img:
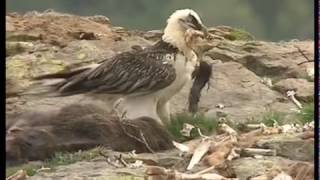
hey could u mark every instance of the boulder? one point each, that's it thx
(289, 146)
(304, 89)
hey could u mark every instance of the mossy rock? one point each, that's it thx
(239, 34)
(16, 36)
(13, 48)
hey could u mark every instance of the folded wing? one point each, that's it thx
(126, 73)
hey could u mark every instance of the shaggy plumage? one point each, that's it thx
(143, 79)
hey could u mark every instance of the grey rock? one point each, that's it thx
(246, 168)
(239, 90)
(289, 146)
(304, 89)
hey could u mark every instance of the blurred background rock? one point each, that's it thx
(271, 20)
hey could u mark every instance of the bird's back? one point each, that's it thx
(137, 71)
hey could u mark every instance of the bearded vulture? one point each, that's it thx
(144, 80)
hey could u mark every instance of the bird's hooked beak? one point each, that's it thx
(204, 29)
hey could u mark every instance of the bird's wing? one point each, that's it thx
(126, 73)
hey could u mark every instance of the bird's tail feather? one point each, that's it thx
(42, 89)
(48, 85)
(65, 74)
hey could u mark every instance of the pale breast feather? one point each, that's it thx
(141, 71)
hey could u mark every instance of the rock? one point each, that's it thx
(289, 146)
(231, 33)
(246, 168)
(241, 92)
(39, 43)
(153, 35)
(269, 59)
(304, 89)
(91, 170)
(13, 48)
(243, 95)
(18, 36)
(99, 19)
(53, 28)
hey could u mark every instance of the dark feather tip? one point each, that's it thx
(201, 76)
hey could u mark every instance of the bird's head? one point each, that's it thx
(199, 42)
(178, 23)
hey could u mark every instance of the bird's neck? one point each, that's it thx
(180, 44)
(175, 36)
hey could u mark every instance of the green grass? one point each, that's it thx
(307, 113)
(31, 169)
(206, 125)
(59, 158)
(64, 158)
(271, 118)
(268, 119)
(239, 34)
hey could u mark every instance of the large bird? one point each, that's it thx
(144, 80)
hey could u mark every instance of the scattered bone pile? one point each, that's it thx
(217, 152)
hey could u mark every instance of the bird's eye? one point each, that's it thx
(193, 22)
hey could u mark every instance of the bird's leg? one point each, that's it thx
(139, 106)
(121, 113)
(123, 116)
(163, 110)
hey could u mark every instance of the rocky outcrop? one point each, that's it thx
(244, 69)
(245, 166)
(249, 79)
(303, 88)
(290, 146)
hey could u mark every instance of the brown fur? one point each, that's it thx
(37, 135)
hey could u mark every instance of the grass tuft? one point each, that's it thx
(307, 113)
(31, 169)
(239, 34)
(64, 158)
(206, 125)
(271, 118)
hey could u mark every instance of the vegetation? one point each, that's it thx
(272, 118)
(307, 113)
(31, 169)
(206, 125)
(239, 34)
(60, 158)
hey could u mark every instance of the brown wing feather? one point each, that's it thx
(129, 72)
